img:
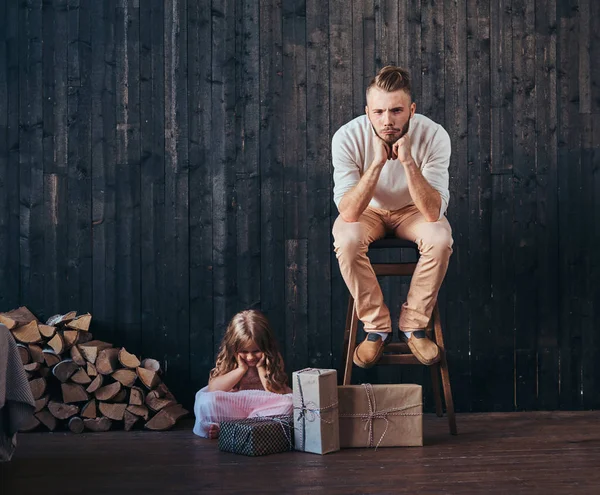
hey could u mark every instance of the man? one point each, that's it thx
(391, 176)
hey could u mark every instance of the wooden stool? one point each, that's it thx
(400, 353)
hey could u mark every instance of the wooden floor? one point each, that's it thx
(549, 453)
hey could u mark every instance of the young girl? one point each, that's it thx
(248, 379)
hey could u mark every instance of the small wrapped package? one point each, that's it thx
(257, 436)
(316, 426)
(381, 415)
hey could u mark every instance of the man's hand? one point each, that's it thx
(401, 150)
(382, 151)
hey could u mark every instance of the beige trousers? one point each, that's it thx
(351, 243)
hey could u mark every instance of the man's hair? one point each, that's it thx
(391, 78)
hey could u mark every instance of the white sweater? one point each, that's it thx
(352, 152)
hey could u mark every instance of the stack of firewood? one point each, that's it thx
(82, 383)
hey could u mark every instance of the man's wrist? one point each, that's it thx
(409, 163)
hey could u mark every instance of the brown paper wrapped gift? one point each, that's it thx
(381, 415)
(316, 427)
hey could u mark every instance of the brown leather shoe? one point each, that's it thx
(368, 352)
(424, 349)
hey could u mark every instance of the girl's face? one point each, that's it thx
(251, 354)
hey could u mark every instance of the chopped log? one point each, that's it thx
(36, 353)
(38, 387)
(121, 396)
(24, 353)
(17, 317)
(41, 403)
(57, 343)
(151, 364)
(32, 367)
(47, 331)
(28, 334)
(98, 424)
(65, 370)
(81, 323)
(108, 392)
(107, 361)
(164, 392)
(91, 349)
(126, 377)
(77, 357)
(148, 377)
(76, 424)
(91, 370)
(73, 392)
(66, 318)
(85, 337)
(137, 396)
(62, 411)
(130, 420)
(47, 419)
(154, 402)
(89, 410)
(166, 418)
(44, 371)
(96, 384)
(128, 360)
(31, 424)
(141, 411)
(81, 377)
(51, 358)
(112, 411)
(70, 337)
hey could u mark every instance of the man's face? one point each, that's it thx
(389, 113)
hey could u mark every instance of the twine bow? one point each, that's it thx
(373, 414)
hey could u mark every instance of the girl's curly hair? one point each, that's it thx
(245, 327)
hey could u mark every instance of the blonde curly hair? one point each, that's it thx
(245, 327)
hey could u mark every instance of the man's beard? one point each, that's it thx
(391, 139)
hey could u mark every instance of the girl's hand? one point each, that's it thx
(263, 362)
(241, 363)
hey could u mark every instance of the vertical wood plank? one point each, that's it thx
(223, 161)
(31, 180)
(176, 228)
(432, 62)
(501, 75)
(10, 279)
(154, 259)
(569, 204)
(547, 208)
(271, 168)
(340, 71)
(478, 156)
(79, 255)
(319, 185)
(104, 159)
(457, 325)
(524, 174)
(247, 182)
(386, 33)
(294, 180)
(359, 71)
(201, 232)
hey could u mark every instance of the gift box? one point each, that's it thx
(257, 436)
(381, 415)
(316, 426)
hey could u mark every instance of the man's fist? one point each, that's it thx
(401, 150)
(382, 150)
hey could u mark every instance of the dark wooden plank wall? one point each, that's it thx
(166, 164)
